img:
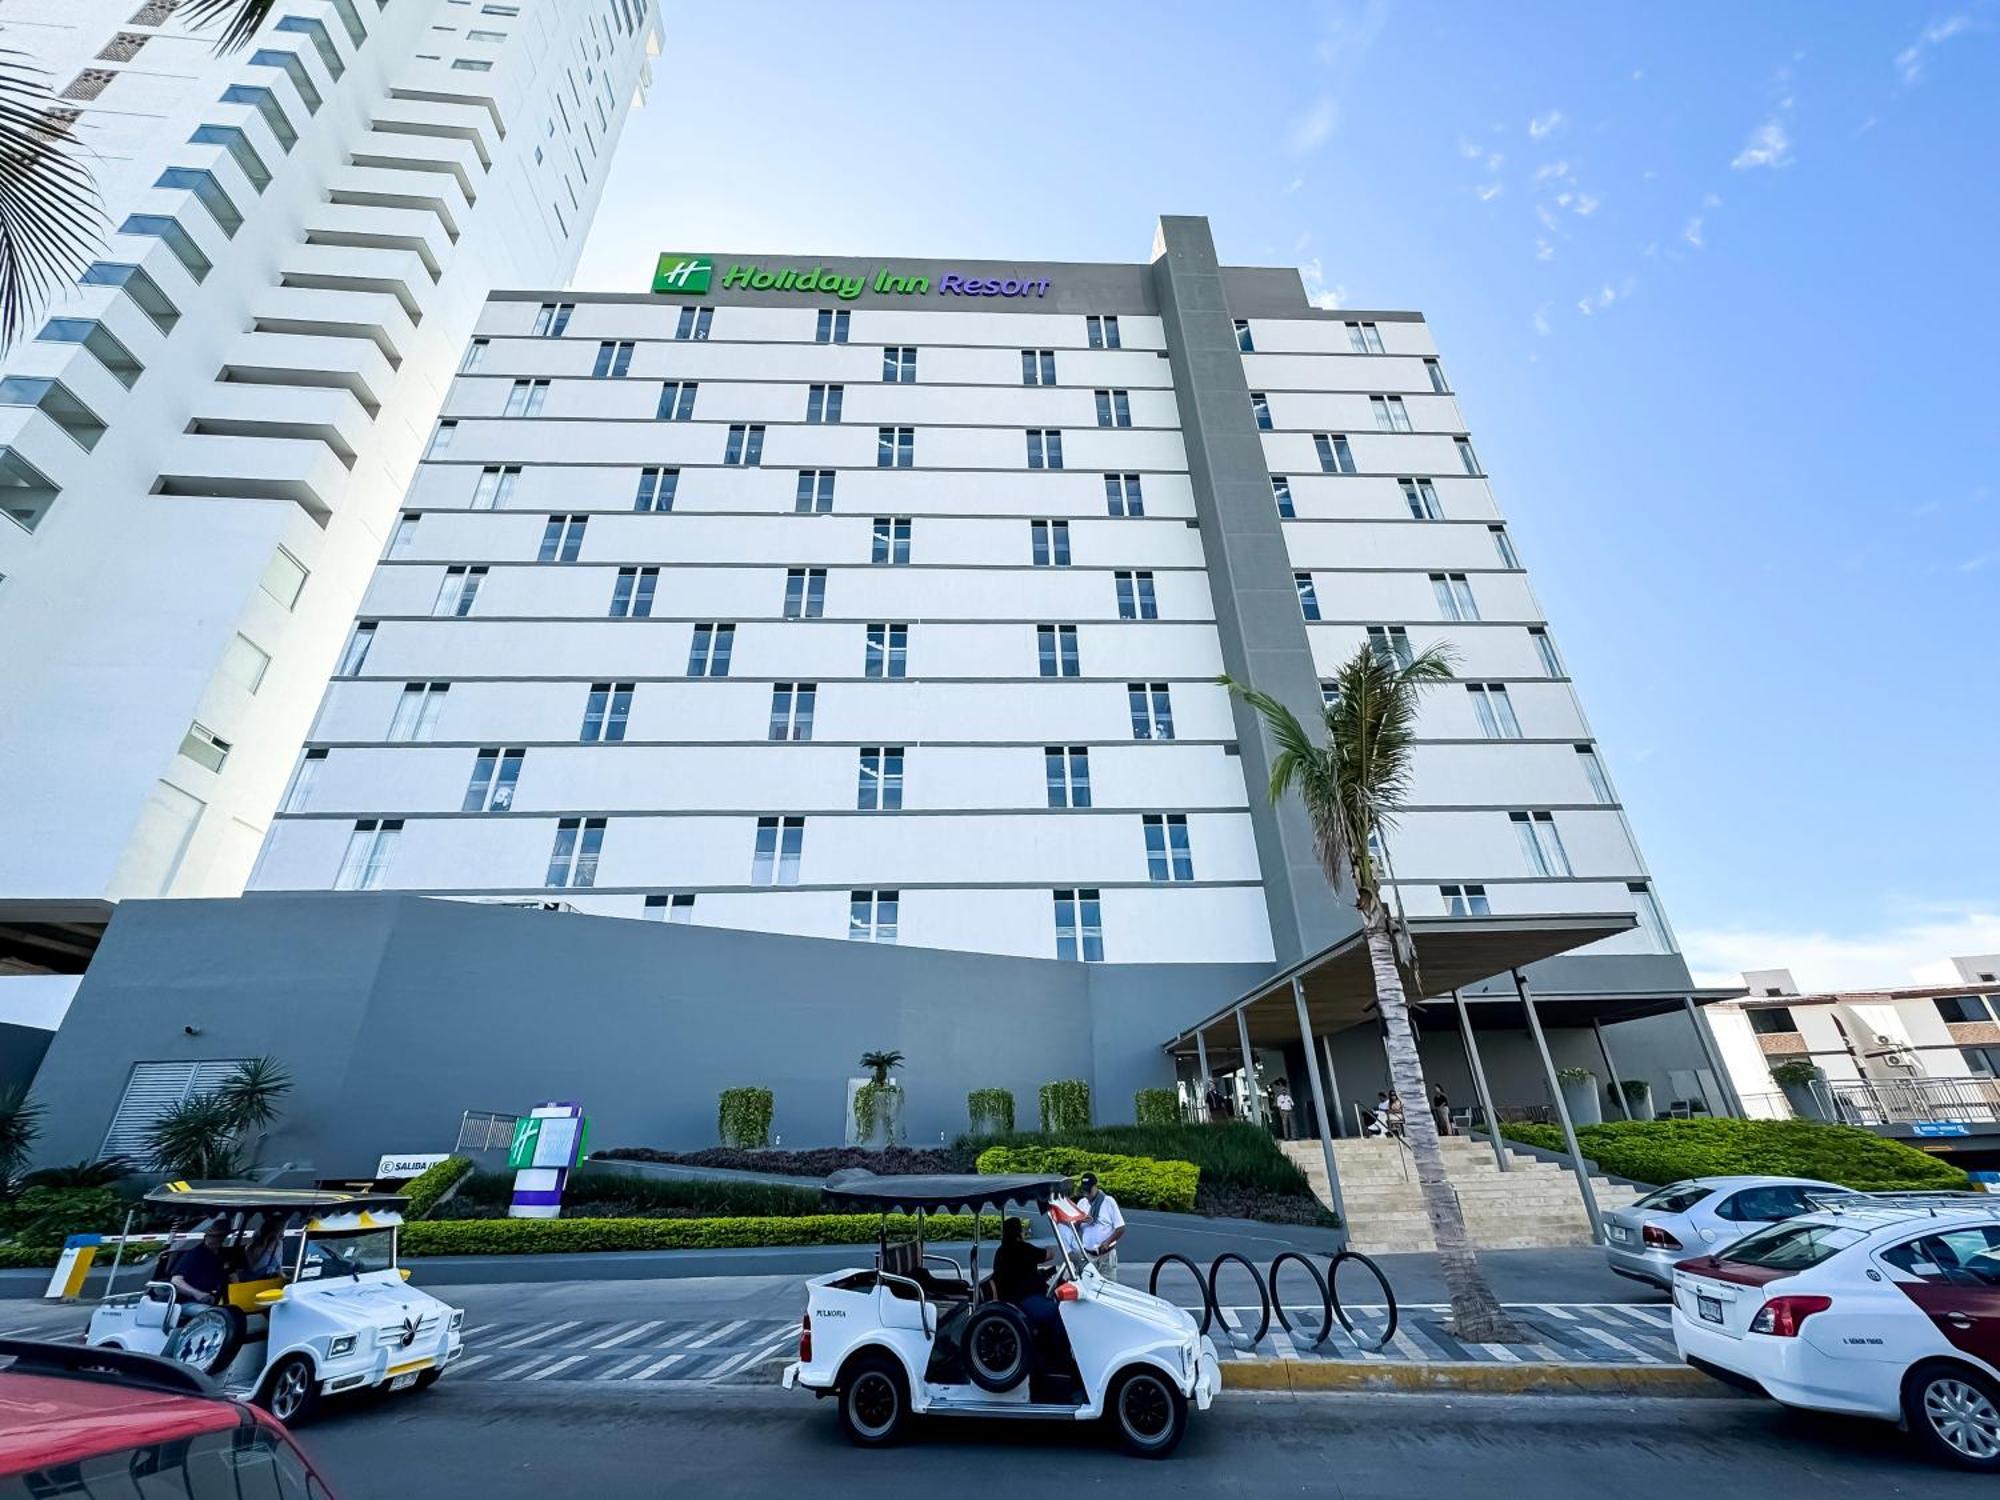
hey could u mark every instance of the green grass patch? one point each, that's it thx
(1135, 1181)
(1664, 1151)
(613, 1195)
(573, 1236)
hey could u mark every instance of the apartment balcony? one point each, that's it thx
(347, 268)
(300, 359)
(326, 415)
(389, 187)
(304, 471)
(404, 152)
(430, 114)
(352, 224)
(323, 312)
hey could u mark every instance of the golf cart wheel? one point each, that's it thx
(997, 1346)
(208, 1340)
(874, 1401)
(291, 1391)
(1149, 1412)
(1955, 1413)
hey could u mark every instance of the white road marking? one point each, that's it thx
(629, 1334)
(1619, 1344)
(1652, 1317)
(723, 1331)
(534, 1334)
(658, 1365)
(468, 1362)
(615, 1371)
(1501, 1353)
(1556, 1312)
(562, 1364)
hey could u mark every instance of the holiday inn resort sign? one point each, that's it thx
(693, 275)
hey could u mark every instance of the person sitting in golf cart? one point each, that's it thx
(1021, 1276)
(200, 1272)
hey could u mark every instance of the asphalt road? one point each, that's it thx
(494, 1442)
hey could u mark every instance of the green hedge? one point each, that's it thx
(1157, 1107)
(1664, 1151)
(40, 1216)
(28, 1257)
(1135, 1181)
(991, 1111)
(1066, 1105)
(570, 1236)
(743, 1117)
(427, 1187)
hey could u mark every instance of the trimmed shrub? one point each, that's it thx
(570, 1236)
(1135, 1181)
(1663, 1151)
(48, 1216)
(428, 1187)
(1066, 1105)
(991, 1111)
(744, 1118)
(614, 1195)
(1794, 1073)
(1157, 1107)
(821, 1162)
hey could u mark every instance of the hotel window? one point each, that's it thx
(1465, 901)
(1044, 448)
(1055, 651)
(1436, 372)
(573, 857)
(1466, 456)
(457, 591)
(244, 662)
(871, 916)
(562, 538)
(1504, 545)
(417, 711)
(526, 397)
(832, 327)
(888, 651)
(1049, 543)
(671, 908)
(472, 65)
(267, 105)
(1243, 340)
(1114, 409)
(1545, 648)
(136, 284)
(356, 655)
(792, 710)
(1364, 338)
(708, 651)
(1122, 495)
(304, 779)
(1421, 496)
(366, 862)
(890, 540)
(694, 323)
(823, 403)
(495, 486)
(1957, 1009)
(1038, 367)
(1066, 771)
(744, 447)
(1260, 408)
(1593, 772)
(605, 713)
(475, 355)
(1329, 695)
(1281, 491)
(805, 593)
(632, 594)
(895, 447)
(209, 193)
(404, 534)
(676, 400)
(1167, 855)
(1541, 845)
(1389, 414)
(1774, 1020)
(166, 228)
(1454, 596)
(202, 746)
(1308, 595)
(552, 319)
(656, 489)
(1136, 599)
(1494, 710)
(1391, 642)
(880, 788)
(1652, 922)
(1152, 710)
(1101, 332)
(614, 360)
(780, 843)
(815, 492)
(899, 365)
(441, 438)
(494, 773)
(1335, 457)
(1079, 926)
(295, 70)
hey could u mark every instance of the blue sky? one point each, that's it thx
(1716, 284)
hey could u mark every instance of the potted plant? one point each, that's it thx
(991, 1111)
(1065, 1105)
(744, 1118)
(1638, 1097)
(1796, 1076)
(1580, 1095)
(875, 1103)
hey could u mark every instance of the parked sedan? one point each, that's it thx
(1700, 1217)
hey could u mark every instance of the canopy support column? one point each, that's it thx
(1610, 1067)
(1486, 1109)
(1332, 1084)
(1253, 1096)
(1562, 1110)
(1319, 1102)
(1722, 1080)
(1201, 1058)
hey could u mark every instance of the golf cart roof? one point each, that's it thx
(856, 1189)
(233, 1197)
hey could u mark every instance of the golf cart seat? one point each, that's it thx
(906, 1259)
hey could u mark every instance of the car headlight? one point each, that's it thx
(457, 1317)
(342, 1345)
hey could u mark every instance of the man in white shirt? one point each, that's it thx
(1102, 1226)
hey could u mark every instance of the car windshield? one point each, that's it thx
(1792, 1246)
(349, 1254)
(1677, 1199)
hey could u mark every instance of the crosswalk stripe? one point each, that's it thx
(1556, 1312)
(535, 1334)
(629, 1334)
(617, 1370)
(751, 1356)
(469, 1361)
(725, 1329)
(1500, 1352)
(1619, 1344)
(658, 1365)
(562, 1364)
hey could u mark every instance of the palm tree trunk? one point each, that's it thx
(1475, 1311)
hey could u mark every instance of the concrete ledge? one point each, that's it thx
(1575, 1379)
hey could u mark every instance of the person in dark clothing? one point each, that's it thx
(199, 1274)
(1021, 1276)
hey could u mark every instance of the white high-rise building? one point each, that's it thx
(203, 445)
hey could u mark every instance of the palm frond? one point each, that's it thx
(50, 222)
(252, 1092)
(195, 1138)
(241, 19)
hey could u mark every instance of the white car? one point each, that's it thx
(1875, 1308)
(1700, 1216)
(919, 1333)
(337, 1315)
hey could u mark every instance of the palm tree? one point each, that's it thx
(1352, 786)
(879, 1063)
(20, 1125)
(50, 219)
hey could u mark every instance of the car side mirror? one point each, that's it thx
(404, 1272)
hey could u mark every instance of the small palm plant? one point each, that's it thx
(20, 1126)
(1352, 786)
(207, 1136)
(880, 1064)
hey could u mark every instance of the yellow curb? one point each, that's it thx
(1493, 1379)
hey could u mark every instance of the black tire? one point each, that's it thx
(1333, 1266)
(291, 1391)
(1954, 1410)
(874, 1400)
(430, 1377)
(1148, 1412)
(208, 1340)
(1263, 1298)
(1207, 1302)
(1319, 1284)
(997, 1346)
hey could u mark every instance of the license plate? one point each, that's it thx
(404, 1382)
(1708, 1309)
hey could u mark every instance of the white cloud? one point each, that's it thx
(1494, 161)
(1910, 61)
(1487, 192)
(1596, 304)
(1912, 951)
(1295, 184)
(1549, 169)
(1542, 320)
(1585, 204)
(1692, 234)
(1313, 128)
(1548, 219)
(1470, 150)
(1768, 146)
(1709, 200)
(1543, 249)
(1547, 124)
(1317, 291)
(1974, 564)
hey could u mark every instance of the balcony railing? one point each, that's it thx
(1897, 1101)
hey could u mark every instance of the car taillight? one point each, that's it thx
(1066, 1292)
(806, 1340)
(1658, 1238)
(1781, 1316)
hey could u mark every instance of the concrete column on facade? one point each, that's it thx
(1611, 1068)
(1253, 1096)
(1500, 1156)
(1319, 1102)
(1332, 1085)
(1722, 1079)
(1201, 1061)
(1562, 1110)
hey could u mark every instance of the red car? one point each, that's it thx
(87, 1422)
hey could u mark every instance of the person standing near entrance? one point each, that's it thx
(1102, 1228)
(1281, 1096)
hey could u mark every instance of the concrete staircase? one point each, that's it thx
(1535, 1203)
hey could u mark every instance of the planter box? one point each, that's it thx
(1581, 1098)
(888, 1121)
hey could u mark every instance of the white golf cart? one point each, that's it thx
(330, 1312)
(920, 1333)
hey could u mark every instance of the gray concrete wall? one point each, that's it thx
(21, 1049)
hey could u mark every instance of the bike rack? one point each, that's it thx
(1270, 1303)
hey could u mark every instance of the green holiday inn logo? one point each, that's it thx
(683, 273)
